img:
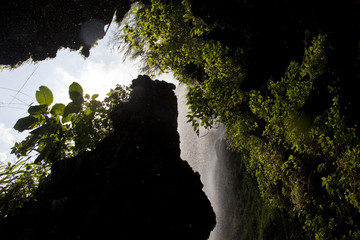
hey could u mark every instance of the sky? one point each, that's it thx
(97, 74)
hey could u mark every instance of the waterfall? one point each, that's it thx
(207, 155)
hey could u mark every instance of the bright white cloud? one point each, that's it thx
(98, 77)
(100, 72)
(3, 157)
(5, 135)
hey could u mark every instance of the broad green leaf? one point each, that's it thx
(58, 109)
(26, 123)
(71, 108)
(37, 109)
(75, 87)
(76, 93)
(44, 96)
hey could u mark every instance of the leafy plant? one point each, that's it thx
(57, 131)
(290, 130)
(18, 182)
(61, 131)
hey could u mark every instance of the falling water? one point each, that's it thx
(207, 155)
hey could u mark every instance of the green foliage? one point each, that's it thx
(294, 152)
(44, 96)
(170, 37)
(61, 131)
(57, 131)
(304, 161)
(18, 182)
(299, 161)
(286, 123)
(304, 158)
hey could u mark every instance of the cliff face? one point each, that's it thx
(133, 186)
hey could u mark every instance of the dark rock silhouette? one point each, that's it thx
(36, 29)
(133, 186)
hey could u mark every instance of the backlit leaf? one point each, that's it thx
(58, 109)
(44, 96)
(76, 93)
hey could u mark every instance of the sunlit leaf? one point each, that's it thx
(44, 96)
(58, 109)
(75, 87)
